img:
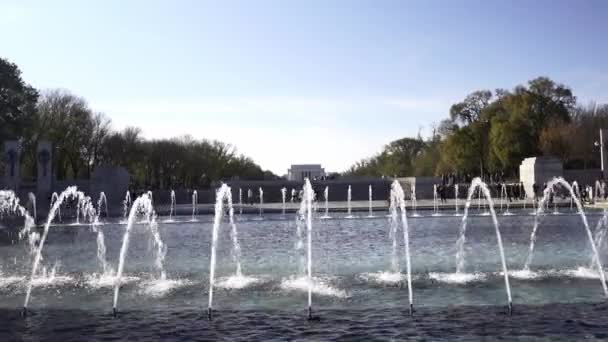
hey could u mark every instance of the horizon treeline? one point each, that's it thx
(491, 132)
(83, 139)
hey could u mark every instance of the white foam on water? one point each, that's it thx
(525, 274)
(383, 278)
(582, 272)
(457, 278)
(319, 287)
(10, 280)
(160, 287)
(236, 282)
(52, 280)
(97, 281)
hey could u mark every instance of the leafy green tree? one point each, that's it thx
(17, 102)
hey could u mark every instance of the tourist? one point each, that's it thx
(535, 192)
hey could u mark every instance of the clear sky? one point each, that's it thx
(308, 81)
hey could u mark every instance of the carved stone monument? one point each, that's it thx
(44, 157)
(12, 158)
(539, 170)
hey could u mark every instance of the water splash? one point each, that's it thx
(307, 199)
(477, 183)
(142, 206)
(398, 203)
(371, 198)
(240, 201)
(236, 247)
(554, 195)
(577, 191)
(9, 205)
(102, 203)
(261, 192)
(194, 205)
(504, 198)
(599, 191)
(172, 205)
(348, 199)
(106, 269)
(414, 201)
(125, 205)
(54, 198)
(224, 194)
(326, 197)
(70, 192)
(456, 190)
(435, 204)
(283, 198)
(599, 235)
(32, 204)
(547, 194)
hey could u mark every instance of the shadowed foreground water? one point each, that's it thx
(547, 322)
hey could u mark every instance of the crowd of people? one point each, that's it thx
(516, 191)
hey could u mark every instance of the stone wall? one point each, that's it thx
(539, 170)
(338, 189)
(424, 186)
(583, 176)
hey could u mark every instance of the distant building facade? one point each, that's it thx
(298, 172)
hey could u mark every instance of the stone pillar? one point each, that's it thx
(12, 158)
(539, 170)
(44, 157)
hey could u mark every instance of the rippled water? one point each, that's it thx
(353, 292)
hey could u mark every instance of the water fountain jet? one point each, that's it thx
(348, 199)
(547, 194)
(172, 205)
(435, 204)
(54, 197)
(371, 198)
(32, 201)
(283, 198)
(456, 190)
(70, 192)
(142, 206)
(261, 192)
(326, 197)
(478, 184)
(102, 201)
(397, 208)
(125, 204)
(223, 194)
(194, 205)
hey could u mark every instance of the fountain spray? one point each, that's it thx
(398, 204)
(537, 219)
(477, 183)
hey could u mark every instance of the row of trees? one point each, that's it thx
(84, 139)
(492, 132)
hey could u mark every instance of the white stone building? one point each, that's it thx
(298, 172)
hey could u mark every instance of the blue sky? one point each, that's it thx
(287, 82)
